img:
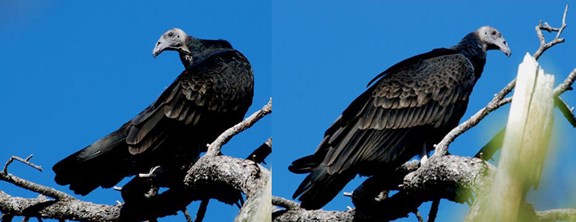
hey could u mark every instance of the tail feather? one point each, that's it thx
(320, 187)
(305, 164)
(104, 163)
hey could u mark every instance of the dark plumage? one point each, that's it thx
(408, 109)
(211, 95)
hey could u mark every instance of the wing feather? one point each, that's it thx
(398, 107)
(221, 83)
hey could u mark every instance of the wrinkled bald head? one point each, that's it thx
(491, 38)
(173, 39)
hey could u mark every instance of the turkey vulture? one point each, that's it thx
(409, 108)
(212, 94)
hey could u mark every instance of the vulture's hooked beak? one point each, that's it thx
(506, 50)
(163, 45)
(160, 47)
(503, 46)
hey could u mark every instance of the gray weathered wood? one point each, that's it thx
(525, 144)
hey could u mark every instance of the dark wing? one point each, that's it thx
(202, 102)
(219, 86)
(431, 93)
(412, 102)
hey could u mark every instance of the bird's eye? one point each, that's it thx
(494, 32)
(170, 34)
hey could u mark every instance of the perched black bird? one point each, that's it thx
(211, 95)
(408, 109)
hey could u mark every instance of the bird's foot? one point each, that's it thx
(152, 173)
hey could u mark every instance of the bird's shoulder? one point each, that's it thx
(408, 92)
(221, 81)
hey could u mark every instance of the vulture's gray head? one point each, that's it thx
(173, 39)
(491, 38)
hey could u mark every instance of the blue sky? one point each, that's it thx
(325, 52)
(74, 71)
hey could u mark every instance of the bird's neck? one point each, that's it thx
(471, 47)
(187, 60)
(202, 48)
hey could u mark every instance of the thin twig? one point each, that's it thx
(568, 112)
(25, 161)
(543, 44)
(442, 147)
(566, 84)
(44, 190)
(215, 147)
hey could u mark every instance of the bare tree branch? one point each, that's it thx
(285, 203)
(449, 177)
(44, 190)
(441, 177)
(209, 172)
(241, 174)
(547, 45)
(557, 215)
(215, 147)
(69, 209)
(566, 84)
(25, 161)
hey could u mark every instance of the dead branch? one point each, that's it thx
(242, 175)
(557, 215)
(25, 161)
(300, 214)
(69, 209)
(285, 203)
(441, 177)
(547, 45)
(449, 177)
(28, 185)
(215, 147)
(204, 180)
